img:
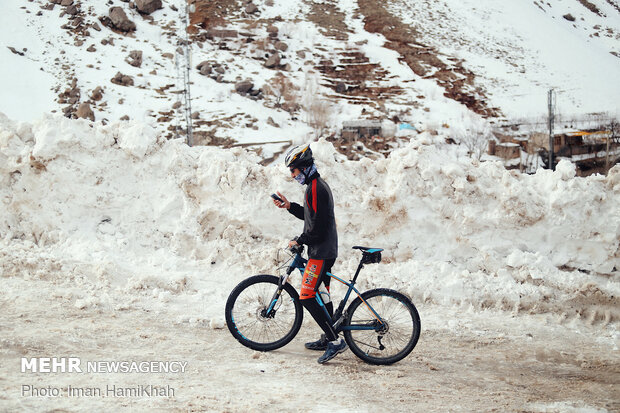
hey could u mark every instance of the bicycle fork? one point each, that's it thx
(270, 310)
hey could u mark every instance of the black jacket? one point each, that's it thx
(319, 233)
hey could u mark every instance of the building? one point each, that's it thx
(357, 129)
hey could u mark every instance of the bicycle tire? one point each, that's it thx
(398, 338)
(253, 329)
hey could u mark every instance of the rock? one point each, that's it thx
(569, 17)
(72, 10)
(196, 115)
(85, 112)
(123, 80)
(177, 105)
(120, 20)
(96, 27)
(271, 122)
(244, 86)
(66, 3)
(125, 117)
(220, 69)
(148, 6)
(273, 61)
(281, 46)
(269, 3)
(251, 8)
(272, 29)
(17, 52)
(91, 48)
(341, 87)
(222, 33)
(135, 58)
(205, 70)
(97, 94)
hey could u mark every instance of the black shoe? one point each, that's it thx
(333, 350)
(320, 344)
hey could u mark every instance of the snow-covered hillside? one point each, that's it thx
(482, 56)
(518, 50)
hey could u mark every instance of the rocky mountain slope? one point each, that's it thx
(281, 71)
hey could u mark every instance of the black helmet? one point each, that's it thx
(299, 157)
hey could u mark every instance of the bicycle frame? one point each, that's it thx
(299, 263)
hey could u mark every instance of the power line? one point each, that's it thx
(537, 94)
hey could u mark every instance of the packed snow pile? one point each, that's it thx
(116, 216)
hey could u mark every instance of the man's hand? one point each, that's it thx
(284, 204)
(292, 243)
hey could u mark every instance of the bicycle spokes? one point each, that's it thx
(262, 314)
(386, 339)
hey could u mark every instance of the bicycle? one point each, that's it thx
(380, 326)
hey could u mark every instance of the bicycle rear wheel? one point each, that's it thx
(248, 321)
(387, 342)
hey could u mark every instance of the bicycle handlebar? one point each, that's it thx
(297, 249)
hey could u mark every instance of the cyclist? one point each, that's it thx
(320, 235)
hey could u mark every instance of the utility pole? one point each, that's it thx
(551, 102)
(612, 134)
(186, 81)
(177, 66)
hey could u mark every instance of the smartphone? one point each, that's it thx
(277, 198)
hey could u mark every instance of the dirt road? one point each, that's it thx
(464, 361)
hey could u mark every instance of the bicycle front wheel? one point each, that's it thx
(250, 323)
(384, 341)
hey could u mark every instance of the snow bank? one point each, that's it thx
(134, 219)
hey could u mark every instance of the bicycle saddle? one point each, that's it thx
(367, 249)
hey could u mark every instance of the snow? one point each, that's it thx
(523, 49)
(114, 217)
(26, 86)
(119, 197)
(116, 242)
